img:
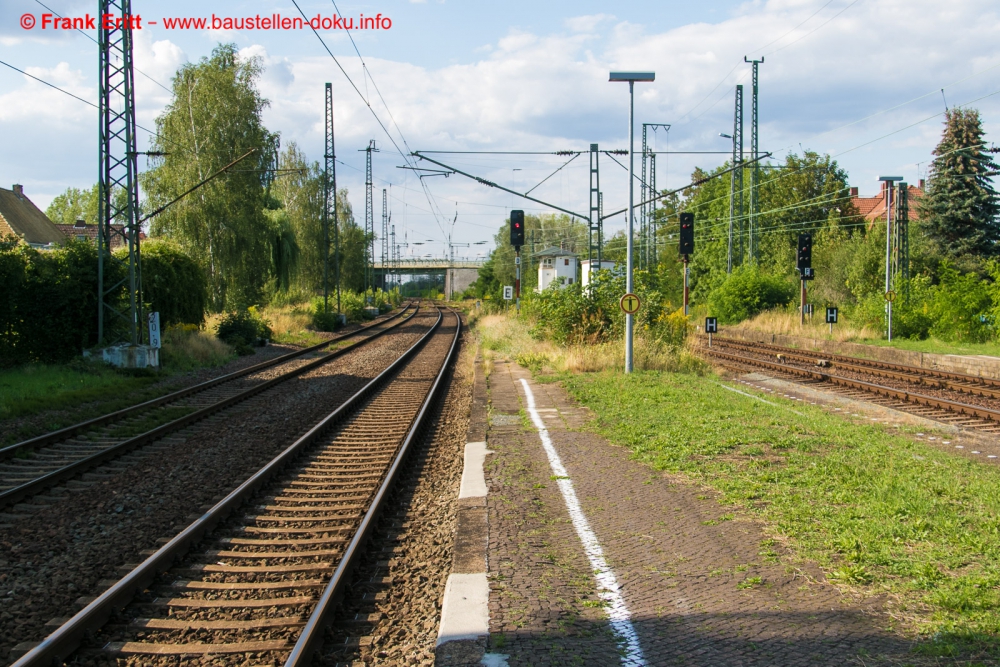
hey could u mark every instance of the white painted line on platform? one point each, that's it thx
(465, 609)
(473, 475)
(607, 583)
(758, 398)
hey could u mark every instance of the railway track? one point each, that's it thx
(743, 356)
(33, 466)
(256, 578)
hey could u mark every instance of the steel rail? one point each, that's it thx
(311, 637)
(868, 387)
(870, 363)
(39, 484)
(66, 638)
(69, 431)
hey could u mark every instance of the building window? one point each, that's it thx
(570, 281)
(566, 262)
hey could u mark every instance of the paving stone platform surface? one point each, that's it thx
(686, 569)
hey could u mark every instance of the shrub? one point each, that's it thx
(323, 320)
(173, 284)
(243, 329)
(185, 347)
(48, 301)
(745, 292)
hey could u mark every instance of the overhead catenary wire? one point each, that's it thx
(55, 13)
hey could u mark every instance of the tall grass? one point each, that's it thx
(786, 323)
(509, 336)
(186, 347)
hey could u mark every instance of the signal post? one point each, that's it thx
(517, 240)
(804, 257)
(686, 248)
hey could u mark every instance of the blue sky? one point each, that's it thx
(859, 79)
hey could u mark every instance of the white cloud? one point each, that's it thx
(533, 91)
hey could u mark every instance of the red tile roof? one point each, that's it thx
(873, 208)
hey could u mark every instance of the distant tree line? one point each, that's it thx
(954, 239)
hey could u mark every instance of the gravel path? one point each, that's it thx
(66, 548)
(392, 611)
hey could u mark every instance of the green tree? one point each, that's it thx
(959, 210)
(72, 205)
(173, 284)
(215, 117)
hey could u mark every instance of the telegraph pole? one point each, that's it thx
(117, 172)
(754, 226)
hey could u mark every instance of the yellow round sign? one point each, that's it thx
(890, 296)
(629, 303)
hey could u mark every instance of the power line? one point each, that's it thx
(95, 42)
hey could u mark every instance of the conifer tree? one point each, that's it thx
(959, 210)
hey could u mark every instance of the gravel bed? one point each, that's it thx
(403, 576)
(63, 550)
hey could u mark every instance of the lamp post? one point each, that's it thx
(631, 77)
(889, 186)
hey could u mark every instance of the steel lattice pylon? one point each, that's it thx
(369, 221)
(118, 319)
(647, 191)
(330, 205)
(736, 184)
(385, 239)
(753, 228)
(596, 224)
(901, 249)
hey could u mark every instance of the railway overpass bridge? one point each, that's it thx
(458, 273)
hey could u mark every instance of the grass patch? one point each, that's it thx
(509, 336)
(879, 512)
(36, 387)
(934, 346)
(786, 323)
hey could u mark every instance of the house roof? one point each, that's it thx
(873, 208)
(554, 252)
(87, 232)
(27, 220)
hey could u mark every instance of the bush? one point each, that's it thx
(243, 329)
(323, 320)
(173, 284)
(48, 301)
(745, 292)
(185, 347)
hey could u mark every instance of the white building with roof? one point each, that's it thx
(556, 266)
(589, 266)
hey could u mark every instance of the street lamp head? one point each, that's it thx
(632, 76)
(725, 136)
(890, 178)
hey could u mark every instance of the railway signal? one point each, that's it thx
(517, 240)
(804, 262)
(711, 327)
(686, 249)
(831, 317)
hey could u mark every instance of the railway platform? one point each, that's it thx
(594, 558)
